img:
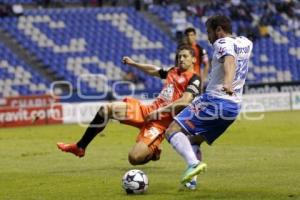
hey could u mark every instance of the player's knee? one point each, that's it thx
(108, 109)
(139, 156)
(136, 159)
(118, 110)
(133, 159)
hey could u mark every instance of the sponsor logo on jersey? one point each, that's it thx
(181, 80)
(167, 92)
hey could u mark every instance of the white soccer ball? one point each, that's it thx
(135, 182)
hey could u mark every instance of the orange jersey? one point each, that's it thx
(201, 57)
(152, 132)
(175, 85)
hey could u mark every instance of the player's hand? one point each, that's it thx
(127, 60)
(228, 89)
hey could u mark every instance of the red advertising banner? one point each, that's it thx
(12, 117)
(30, 101)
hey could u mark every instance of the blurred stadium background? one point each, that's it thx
(60, 58)
(73, 49)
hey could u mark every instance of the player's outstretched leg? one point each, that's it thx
(96, 126)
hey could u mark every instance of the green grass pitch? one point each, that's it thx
(252, 160)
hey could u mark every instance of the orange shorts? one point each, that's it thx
(151, 133)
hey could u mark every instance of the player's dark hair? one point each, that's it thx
(189, 30)
(186, 47)
(219, 20)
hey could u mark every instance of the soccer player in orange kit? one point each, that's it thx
(180, 88)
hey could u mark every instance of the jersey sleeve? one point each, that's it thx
(194, 85)
(224, 47)
(163, 73)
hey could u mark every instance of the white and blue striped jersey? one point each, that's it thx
(240, 48)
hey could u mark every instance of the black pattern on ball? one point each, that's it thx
(135, 182)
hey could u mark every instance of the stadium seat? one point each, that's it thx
(73, 41)
(19, 79)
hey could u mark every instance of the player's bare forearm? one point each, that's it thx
(173, 108)
(179, 104)
(147, 68)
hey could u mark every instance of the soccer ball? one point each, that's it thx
(135, 182)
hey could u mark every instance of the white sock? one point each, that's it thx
(182, 145)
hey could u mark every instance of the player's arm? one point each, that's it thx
(193, 89)
(229, 73)
(225, 53)
(147, 68)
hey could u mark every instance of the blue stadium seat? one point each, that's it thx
(78, 33)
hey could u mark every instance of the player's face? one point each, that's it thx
(185, 59)
(211, 35)
(191, 37)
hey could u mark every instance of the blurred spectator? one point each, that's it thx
(137, 5)
(251, 32)
(136, 80)
(263, 30)
(293, 24)
(98, 3)
(200, 54)
(11, 10)
(215, 5)
(5, 10)
(44, 3)
(179, 23)
(114, 3)
(147, 4)
(162, 2)
(85, 2)
(195, 10)
(291, 9)
(200, 10)
(268, 18)
(286, 7)
(17, 9)
(240, 11)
